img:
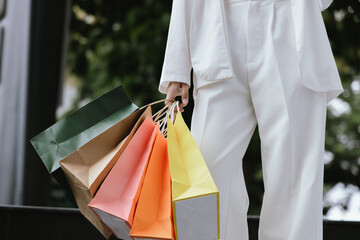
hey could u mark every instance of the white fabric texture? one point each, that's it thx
(198, 39)
(267, 91)
(324, 4)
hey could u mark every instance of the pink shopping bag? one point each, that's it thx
(116, 199)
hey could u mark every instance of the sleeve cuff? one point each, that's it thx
(172, 77)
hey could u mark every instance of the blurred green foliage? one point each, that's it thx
(116, 42)
(343, 129)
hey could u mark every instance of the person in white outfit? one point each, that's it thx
(266, 63)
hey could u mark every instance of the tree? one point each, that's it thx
(343, 132)
(115, 42)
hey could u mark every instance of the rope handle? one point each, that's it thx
(156, 102)
(172, 110)
(171, 114)
(160, 116)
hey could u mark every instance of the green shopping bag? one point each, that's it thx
(76, 129)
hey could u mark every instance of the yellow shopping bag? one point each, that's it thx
(195, 197)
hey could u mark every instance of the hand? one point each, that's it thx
(178, 89)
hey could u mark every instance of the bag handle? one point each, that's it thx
(171, 112)
(159, 101)
(160, 116)
(156, 117)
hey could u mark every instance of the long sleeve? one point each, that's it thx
(177, 62)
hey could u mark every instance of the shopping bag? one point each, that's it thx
(87, 167)
(116, 199)
(195, 197)
(76, 129)
(153, 215)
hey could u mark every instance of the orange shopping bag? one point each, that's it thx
(116, 199)
(153, 215)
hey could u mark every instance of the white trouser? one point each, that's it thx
(266, 90)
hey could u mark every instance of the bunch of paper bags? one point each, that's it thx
(127, 178)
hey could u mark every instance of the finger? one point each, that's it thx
(184, 94)
(180, 109)
(171, 91)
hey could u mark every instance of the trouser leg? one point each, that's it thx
(291, 121)
(308, 116)
(292, 144)
(222, 125)
(292, 127)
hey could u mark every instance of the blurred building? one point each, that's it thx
(32, 49)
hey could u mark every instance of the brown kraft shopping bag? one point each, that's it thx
(87, 167)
